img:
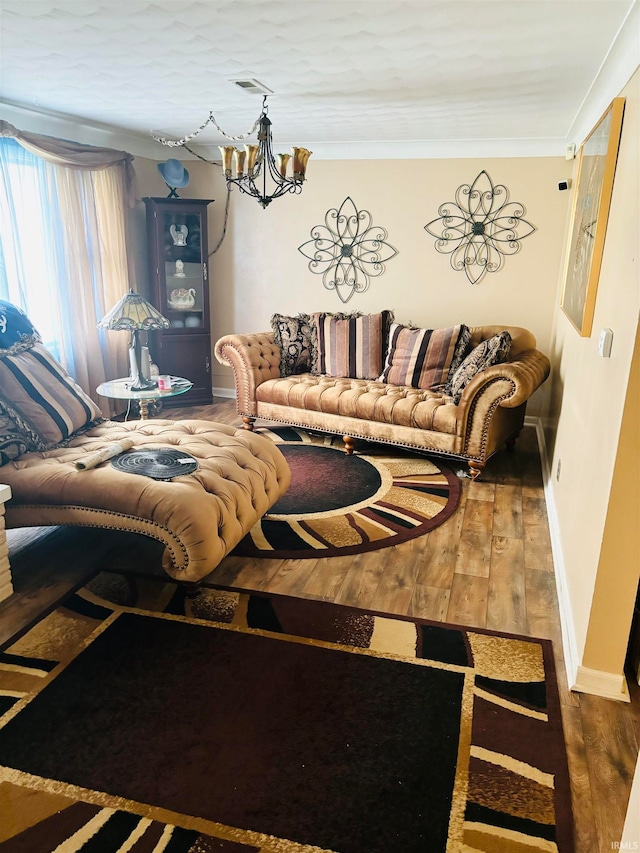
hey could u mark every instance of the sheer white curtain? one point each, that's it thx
(63, 256)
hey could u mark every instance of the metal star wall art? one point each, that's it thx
(347, 250)
(479, 228)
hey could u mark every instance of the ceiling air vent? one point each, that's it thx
(253, 87)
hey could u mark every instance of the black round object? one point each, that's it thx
(161, 463)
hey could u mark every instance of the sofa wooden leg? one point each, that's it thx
(511, 442)
(475, 469)
(348, 444)
(192, 589)
(247, 423)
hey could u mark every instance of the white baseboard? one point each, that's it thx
(569, 644)
(579, 678)
(228, 393)
(599, 683)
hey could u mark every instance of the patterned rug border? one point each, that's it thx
(553, 704)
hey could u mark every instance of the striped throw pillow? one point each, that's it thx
(42, 398)
(351, 346)
(422, 358)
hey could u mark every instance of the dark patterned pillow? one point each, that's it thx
(41, 397)
(492, 351)
(462, 350)
(352, 346)
(295, 337)
(422, 358)
(14, 441)
(17, 332)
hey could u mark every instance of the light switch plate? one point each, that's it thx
(604, 342)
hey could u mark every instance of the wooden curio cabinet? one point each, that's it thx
(179, 271)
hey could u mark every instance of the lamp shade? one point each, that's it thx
(133, 312)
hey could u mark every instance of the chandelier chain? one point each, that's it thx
(226, 206)
(210, 120)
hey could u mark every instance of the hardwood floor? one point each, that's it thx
(489, 566)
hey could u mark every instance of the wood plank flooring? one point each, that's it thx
(489, 566)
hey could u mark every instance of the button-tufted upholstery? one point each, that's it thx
(490, 412)
(362, 398)
(199, 517)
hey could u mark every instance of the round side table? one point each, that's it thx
(120, 389)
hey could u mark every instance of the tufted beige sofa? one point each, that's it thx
(490, 413)
(198, 517)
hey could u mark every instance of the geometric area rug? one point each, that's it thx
(135, 719)
(339, 504)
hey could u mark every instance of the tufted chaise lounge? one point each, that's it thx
(489, 414)
(198, 517)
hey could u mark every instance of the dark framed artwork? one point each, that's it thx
(591, 201)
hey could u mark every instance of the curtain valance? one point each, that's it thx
(75, 155)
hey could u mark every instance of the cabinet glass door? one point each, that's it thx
(184, 270)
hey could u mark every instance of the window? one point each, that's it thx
(63, 256)
(29, 262)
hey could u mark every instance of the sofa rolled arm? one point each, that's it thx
(254, 359)
(525, 374)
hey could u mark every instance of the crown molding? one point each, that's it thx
(424, 149)
(617, 68)
(66, 126)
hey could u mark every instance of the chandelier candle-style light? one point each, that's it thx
(248, 169)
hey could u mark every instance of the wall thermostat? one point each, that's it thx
(604, 342)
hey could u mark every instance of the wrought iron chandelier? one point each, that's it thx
(256, 169)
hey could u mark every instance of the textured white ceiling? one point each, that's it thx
(391, 71)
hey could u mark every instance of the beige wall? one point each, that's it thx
(583, 407)
(619, 564)
(259, 270)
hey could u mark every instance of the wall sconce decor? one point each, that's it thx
(479, 228)
(347, 250)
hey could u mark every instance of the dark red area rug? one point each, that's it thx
(338, 504)
(134, 719)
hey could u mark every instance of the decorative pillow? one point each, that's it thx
(492, 351)
(41, 397)
(13, 440)
(317, 319)
(296, 338)
(462, 350)
(352, 346)
(17, 332)
(422, 358)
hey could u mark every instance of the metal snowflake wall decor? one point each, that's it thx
(347, 250)
(479, 228)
